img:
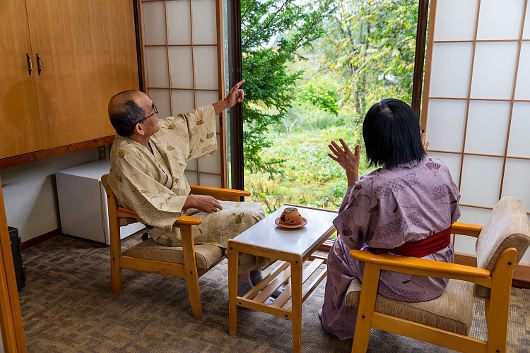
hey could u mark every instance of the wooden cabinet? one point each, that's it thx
(60, 63)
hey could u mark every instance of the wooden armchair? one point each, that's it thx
(446, 321)
(189, 261)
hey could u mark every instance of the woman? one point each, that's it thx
(410, 200)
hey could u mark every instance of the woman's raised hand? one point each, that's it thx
(347, 159)
(424, 143)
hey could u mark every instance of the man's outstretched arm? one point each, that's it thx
(235, 95)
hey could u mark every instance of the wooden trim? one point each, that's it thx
(168, 57)
(54, 152)
(141, 45)
(419, 58)
(236, 126)
(11, 318)
(428, 66)
(139, 59)
(185, 89)
(479, 154)
(471, 69)
(483, 99)
(39, 239)
(520, 44)
(222, 91)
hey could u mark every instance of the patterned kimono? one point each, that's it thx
(386, 209)
(155, 187)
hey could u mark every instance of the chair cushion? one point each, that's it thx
(507, 226)
(206, 255)
(452, 311)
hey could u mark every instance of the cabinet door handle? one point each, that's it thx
(30, 64)
(39, 64)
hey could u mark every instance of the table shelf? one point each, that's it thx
(256, 297)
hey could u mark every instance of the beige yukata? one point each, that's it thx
(155, 187)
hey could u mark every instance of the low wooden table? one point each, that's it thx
(293, 247)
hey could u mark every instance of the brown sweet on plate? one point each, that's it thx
(291, 216)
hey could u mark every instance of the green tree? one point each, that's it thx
(373, 47)
(272, 32)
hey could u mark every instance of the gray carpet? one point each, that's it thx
(67, 307)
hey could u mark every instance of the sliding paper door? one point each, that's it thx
(183, 67)
(476, 104)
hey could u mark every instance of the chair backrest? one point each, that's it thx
(507, 226)
(113, 203)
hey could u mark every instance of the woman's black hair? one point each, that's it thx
(392, 134)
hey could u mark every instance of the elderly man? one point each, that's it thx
(148, 159)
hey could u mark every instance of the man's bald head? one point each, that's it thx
(125, 111)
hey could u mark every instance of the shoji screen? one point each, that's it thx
(476, 104)
(183, 68)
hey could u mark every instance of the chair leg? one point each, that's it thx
(115, 276)
(499, 304)
(192, 277)
(366, 308)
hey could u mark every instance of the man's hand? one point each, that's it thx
(236, 95)
(204, 203)
(347, 160)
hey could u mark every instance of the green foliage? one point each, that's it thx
(309, 177)
(322, 94)
(269, 84)
(300, 97)
(373, 47)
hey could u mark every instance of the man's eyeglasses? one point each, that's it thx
(150, 115)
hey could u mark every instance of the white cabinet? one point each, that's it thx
(83, 203)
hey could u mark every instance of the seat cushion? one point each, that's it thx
(206, 255)
(452, 311)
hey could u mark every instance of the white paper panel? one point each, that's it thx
(452, 161)
(161, 99)
(206, 75)
(500, 19)
(211, 164)
(208, 97)
(182, 101)
(181, 67)
(473, 215)
(522, 89)
(451, 66)
(211, 180)
(192, 164)
(455, 20)
(179, 24)
(517, 181)
(157, 67)
(154, 17)
(493, 72)
(487, 127)
(204, 22)
(465, 244)
(445, 124)
(526, 32)
(191, 177)
(481, 180)
(519, 143)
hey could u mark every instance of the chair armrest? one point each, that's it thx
(423, 267)
(183, 220)
(219, 193)
(187, 220)
(466, 229)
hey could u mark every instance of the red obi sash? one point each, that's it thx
(420, 248)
